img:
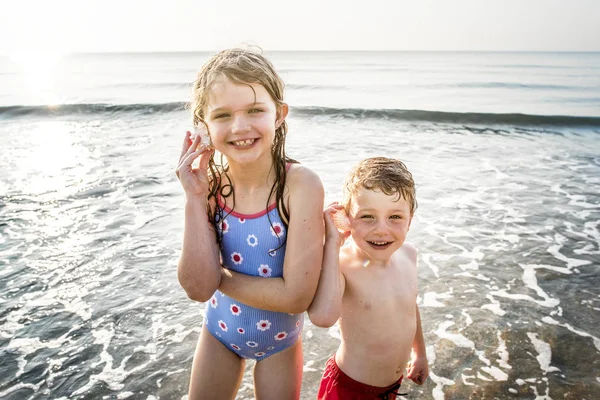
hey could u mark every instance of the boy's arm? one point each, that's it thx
(326, 306)
(419, 367)
(293, 292)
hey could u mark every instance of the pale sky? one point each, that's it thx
(64, 26)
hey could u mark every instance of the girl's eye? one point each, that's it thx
(396, 217)
(254, 111)
(366, 216)
(218, 116)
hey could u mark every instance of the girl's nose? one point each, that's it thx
(239, 124)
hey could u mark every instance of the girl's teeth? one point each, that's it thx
(244, 142)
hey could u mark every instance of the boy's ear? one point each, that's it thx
(282, 114)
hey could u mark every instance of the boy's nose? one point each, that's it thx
(380, 226)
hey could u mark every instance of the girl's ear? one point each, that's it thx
(282, 114)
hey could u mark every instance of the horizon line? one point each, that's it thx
(300, 51)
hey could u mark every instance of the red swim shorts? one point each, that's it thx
(335, 384)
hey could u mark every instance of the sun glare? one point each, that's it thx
(38, 71)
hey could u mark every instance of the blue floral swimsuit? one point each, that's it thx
(252, 245)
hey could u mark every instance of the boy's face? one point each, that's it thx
(379, 222)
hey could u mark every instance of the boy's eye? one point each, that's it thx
(254, 111)
(224, 115)
(366, 216)
(396, 217)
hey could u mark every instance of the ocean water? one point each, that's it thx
(504, 148)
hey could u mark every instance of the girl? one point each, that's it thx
(257, 256)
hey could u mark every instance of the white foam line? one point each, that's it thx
(440, 382)
(555, 251)
(430, 299)
(456, 338)
(546, 396)
(470, 275)
(430, 351)
(113, 377)
(544, 351)
(472, 265)
(580, 201)
(502, 352)
(494, 306)
(468, 319)
(552, 321)
(20, 386)
(426, 258)
(530, 279)
(502, 293)
(562, 270)
(465, 379)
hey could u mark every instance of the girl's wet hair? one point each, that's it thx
(246, 67)
(381, 173)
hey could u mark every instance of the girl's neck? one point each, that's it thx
(252, 177)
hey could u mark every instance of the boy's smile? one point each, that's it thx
(379, 223)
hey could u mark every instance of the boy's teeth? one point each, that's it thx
(244, 142)
(379, 243)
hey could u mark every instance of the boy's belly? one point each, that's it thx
(375, 355)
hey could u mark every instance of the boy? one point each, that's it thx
(371, 286)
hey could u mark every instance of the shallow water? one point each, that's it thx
(508, 229)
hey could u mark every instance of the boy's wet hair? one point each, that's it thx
(245, 67)
(388, 175)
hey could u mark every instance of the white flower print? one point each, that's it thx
(235, 309)
(251, 344)
(218, 334)
(235, 346)
(297, 324)
(260, 354)
(241, 331)
(281, 336)
(277, 229)
(264, 270)
(263, 325)
(222, 325)
(242, 220)
(270, 348)
(223, 226)
(272, 252)
(237, 258)
(213, 302)
(252, 240)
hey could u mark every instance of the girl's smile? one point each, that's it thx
(242, 119)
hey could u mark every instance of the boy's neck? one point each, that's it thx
(368, 262)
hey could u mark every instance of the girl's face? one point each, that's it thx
(242, 121)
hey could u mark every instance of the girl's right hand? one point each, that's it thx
(194, 180)
(337, 224)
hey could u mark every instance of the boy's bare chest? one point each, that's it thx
(379, 292)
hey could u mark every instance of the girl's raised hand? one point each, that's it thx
(337, 224)
(194, 180)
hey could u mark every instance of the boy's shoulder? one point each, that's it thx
(409, 250)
